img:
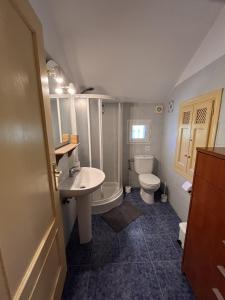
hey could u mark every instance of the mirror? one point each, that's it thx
(61, 120)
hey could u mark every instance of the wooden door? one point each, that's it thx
(32, 258)
(200, 129)
(183, 139)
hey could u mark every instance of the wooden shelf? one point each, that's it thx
(67, 149)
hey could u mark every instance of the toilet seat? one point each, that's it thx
(148, 181)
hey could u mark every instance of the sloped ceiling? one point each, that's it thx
(132, 49)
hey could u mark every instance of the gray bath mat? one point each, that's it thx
(119, 217)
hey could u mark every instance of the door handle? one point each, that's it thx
(217, 293)
(56, 173)
(222, 270)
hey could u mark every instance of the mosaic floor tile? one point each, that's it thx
(140, 262)
(173, 283)
(161, 248)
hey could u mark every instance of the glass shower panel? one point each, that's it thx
(110, 142)
(94, 131)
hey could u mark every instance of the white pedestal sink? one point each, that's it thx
(80, 186)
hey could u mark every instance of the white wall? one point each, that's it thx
(68, 209)
(141, 111)
(210, 78)
(205, 72)
(212, 47)
(52, 42)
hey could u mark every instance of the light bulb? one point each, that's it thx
(59, 90)
(71, 89)
(59, 79)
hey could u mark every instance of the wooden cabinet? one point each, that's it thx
(204, 253)
(197, 128)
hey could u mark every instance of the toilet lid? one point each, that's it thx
(149, 179)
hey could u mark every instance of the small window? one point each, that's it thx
(139, 131)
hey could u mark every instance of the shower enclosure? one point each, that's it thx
(99, 125)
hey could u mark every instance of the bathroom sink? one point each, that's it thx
(80, 186)
(84, 182)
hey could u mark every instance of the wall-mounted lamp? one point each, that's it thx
(59, 79)
(55, 72)
(71, 89)
(59, 90)
(66, 89)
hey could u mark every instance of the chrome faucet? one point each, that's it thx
(72, 171)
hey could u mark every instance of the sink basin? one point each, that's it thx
(80, 186)
(84, 182)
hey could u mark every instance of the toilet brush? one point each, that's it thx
(164, 195)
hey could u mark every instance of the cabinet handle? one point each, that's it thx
(222, 270)
(217, 293)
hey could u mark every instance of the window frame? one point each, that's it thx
(133, 122)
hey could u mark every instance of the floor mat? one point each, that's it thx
(119, 217)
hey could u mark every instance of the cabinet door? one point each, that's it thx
(183, 139)
(204, 253)
(200, 130)
(198, 262)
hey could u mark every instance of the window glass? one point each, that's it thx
(139, 131)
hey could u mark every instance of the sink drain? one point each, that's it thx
(82, 187)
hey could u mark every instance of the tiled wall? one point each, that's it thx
(141, 111)
(210, 78)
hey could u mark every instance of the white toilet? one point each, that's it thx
(143, 165)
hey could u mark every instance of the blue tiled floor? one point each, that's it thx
(140, 262)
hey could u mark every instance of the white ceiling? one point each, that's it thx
(132, 49)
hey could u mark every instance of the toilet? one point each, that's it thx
(143, 166)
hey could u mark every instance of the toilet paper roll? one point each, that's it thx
(187, 186)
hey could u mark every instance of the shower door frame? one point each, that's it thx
(100, 99)
(70, 98)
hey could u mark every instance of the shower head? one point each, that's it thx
(87, 90)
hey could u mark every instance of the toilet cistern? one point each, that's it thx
(80, 186)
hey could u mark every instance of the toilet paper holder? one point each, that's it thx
(187, 187)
